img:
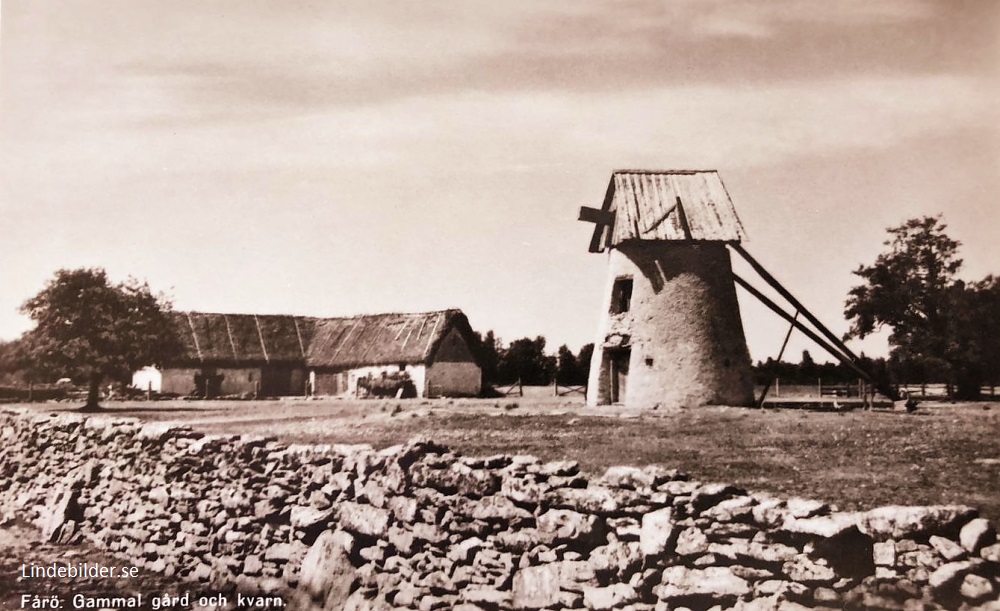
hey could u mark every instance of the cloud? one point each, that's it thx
(256, 61)
(745, 18)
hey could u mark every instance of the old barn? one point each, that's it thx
(275, 355)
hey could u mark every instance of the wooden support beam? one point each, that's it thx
(885, 389)
(593, 215)
(604, 219)
(781, 353)
(792, 300)
(662, 218)
(806, 330)
(682, 217)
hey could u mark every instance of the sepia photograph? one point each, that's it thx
(636, 305)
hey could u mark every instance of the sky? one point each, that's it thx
(333, 158)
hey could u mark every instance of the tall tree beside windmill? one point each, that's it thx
(938, 321)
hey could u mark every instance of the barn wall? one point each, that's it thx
(282, 380)
(683, 328)
(453, 379)
(453, 349)
(239, 380)
(330, 383)
(178, 380)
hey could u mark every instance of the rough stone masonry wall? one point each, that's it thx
(418, 527)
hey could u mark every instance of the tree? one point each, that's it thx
(808, 369)
(936, 320)
(525, 359)
(583, 362)
(567, 368)
(974, 348)
(487, 351)
(88, 328)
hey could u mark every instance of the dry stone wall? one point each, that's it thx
(418, 527)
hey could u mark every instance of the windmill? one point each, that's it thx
(670, 331)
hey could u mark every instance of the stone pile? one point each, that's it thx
(418, 527)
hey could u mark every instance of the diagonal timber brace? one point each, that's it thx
(840, 356)
(781, 353)
(773, 282)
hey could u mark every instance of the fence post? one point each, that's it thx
(31, 391)
(520, 388)
(149, 390)
(819, 387)
(777, 387)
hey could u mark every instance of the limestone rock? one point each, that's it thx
(536, 587)
(767, 555)
(598, 500)
(610, 597)
(680, 582)
(976, 588)
(827, 527)
(898, 522)
(54, 516)
(884, 553)
(805, 571)
(948, 549)
(710, 495)
(487, 598)
(991, 552)
(977, 534)
(657, 529)
(364, 519)
(769, 512)
(465, 551)
(631, 478)
(327, 575)
(496, 509)
(309, 519)
(805, 508)
(565, 526)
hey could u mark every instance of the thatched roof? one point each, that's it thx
(382, 339)
(243, 337)
(376, 339)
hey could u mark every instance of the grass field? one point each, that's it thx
(943, 453)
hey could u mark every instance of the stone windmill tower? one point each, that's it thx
(670, 331)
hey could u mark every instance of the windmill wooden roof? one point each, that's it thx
(375, 339)
(666, 205)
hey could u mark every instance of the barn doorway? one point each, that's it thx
(208, 383)
(618, 372)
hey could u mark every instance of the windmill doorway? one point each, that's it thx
(617, 361)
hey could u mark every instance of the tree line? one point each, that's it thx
(526, 361)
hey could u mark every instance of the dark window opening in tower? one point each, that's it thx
(621, 295)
